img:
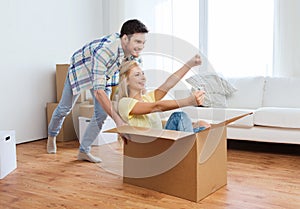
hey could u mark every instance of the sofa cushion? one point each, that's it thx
(282, 92)
(249, 92)
(215, 86)
(277, 117)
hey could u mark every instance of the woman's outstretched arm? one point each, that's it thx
(161, 91)
(141, 108)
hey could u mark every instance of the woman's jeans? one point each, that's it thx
(180, 121)
(65, 106)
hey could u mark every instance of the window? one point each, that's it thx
(240, 37)
(236, 35)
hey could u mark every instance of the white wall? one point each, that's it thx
(35, 36)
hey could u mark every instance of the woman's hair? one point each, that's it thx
(125, 68)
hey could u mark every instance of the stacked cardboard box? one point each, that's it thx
(70, 128)
(61, 74)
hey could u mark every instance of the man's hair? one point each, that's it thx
(133, 26)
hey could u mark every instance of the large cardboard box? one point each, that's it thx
(183, 164)
(61, 74)
(68, 130)
(8, 158)
(102, 138)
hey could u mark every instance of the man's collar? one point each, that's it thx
(137, 59)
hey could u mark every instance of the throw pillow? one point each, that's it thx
(215, 86)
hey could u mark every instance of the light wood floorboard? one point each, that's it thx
(255, 180)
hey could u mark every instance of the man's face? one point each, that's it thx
(134, 44)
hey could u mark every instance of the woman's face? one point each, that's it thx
(136, 79)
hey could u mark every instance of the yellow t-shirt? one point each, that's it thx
(151, 120)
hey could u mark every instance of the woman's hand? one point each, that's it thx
(194, 61)
(198, 97)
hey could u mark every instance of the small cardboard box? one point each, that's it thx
(61, 74)
(102, 138)
(8, 158)
(183, 164)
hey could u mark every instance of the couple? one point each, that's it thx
(95, 67)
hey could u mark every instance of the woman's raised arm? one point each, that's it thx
(173, 79)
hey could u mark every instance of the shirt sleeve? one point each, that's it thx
(125, 106)
(101, 58)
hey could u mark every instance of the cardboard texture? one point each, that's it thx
(187, 165)
(86, 110)
(67, 132)
(61, 74)
(91, 101)
(8, 158)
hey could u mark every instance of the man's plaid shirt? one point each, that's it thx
(96, 65)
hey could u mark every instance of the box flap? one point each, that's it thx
(161, 133)
(230, 120)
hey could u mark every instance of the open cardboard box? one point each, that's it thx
(182, 164)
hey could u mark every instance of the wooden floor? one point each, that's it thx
(255, 180)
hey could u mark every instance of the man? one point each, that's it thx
(96, 67)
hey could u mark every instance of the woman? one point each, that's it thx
(141, 109)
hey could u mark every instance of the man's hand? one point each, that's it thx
(120, 122)
(125, 137)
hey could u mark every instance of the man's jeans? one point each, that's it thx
(65, 106)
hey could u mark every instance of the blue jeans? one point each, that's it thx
(65, 106)
(180, 121)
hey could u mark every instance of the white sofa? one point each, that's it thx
(274, 101)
